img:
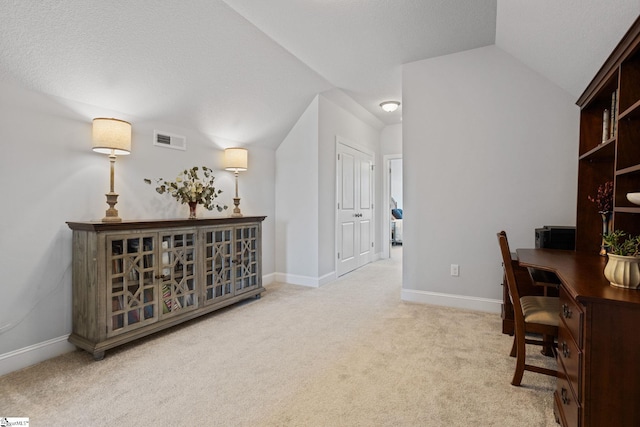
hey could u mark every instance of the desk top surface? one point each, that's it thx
(581, 274)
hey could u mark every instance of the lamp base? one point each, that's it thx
(236, 211)
(111, 215)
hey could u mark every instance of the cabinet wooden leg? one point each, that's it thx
(547, 349)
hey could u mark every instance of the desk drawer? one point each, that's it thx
(569, 359)
(566, 402)
(571, 313)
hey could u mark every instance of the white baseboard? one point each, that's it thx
(268, 279)
(314, 282)
(452, 300)
(27, 356)
(327, 278)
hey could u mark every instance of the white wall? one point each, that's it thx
(391, 140)
(297, 201)
(306, 189)
(50, 176)
(488, 145)
(567, 41)
(335, 121)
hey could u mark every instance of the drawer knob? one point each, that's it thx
(565, 350)
(564, 395)
(566, 312)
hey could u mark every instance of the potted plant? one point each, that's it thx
(604, 203)
(191, 189)
(623, 265)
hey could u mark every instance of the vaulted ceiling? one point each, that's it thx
(245, 70)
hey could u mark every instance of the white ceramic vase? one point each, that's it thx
(623, 271)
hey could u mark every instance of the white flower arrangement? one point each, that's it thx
(190, 188)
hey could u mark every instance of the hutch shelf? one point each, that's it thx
(134, 278)
(610, 151)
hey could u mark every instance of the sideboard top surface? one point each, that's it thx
(99, 226)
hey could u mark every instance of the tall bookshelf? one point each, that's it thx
(612, 153)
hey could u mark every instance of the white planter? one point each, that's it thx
(623, 271)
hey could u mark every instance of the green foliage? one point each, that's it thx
(619, 245)
(189, 187)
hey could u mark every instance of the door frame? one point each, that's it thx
(343, 141)
(386, 195)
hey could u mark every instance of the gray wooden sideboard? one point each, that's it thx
(134, 278)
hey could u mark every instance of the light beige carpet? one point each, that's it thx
(346, 354)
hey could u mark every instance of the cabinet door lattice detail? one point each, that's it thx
(131, 297)
(217, 263)
(246, 258)
(178, 278)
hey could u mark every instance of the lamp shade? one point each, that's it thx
(111, 136)
(235, 159)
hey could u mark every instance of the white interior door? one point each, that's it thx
(355, 208)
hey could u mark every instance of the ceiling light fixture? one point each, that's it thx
(390, 106)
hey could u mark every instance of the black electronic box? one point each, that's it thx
(556, 237)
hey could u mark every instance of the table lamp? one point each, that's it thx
(112, 137)
(235, 159)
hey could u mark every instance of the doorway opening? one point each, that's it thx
(394, 213)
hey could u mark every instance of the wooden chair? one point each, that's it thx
(532, 315)
(530, 282)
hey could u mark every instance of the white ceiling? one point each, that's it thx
(566, 41)
(244, 70)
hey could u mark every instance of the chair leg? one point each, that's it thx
(520, 358)
(513, 347)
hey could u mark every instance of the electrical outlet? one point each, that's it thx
(455, 270)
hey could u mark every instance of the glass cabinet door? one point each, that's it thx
(132, 298)
(246, 271)
(217, 264)
(155, 275)
(177, 267)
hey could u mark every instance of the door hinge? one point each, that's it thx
(338, 156)
(338, 205)
(371, 244)
(372, 167)
(338, 255)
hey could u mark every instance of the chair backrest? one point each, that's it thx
(512, 284)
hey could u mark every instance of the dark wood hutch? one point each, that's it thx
(598, 346)
(612, 155)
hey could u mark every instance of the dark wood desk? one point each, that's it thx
(598, 341)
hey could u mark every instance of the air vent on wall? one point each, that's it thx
(168, 140)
